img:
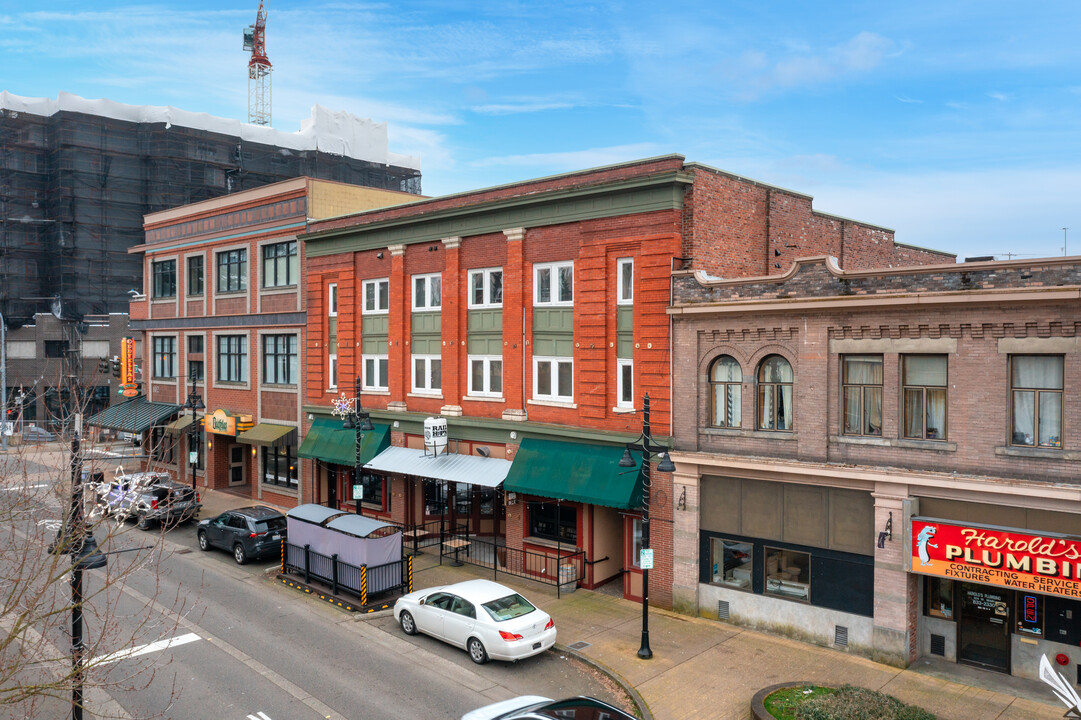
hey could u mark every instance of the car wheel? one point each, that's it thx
(239, 555)
(204, 543)
(477, 653)
(144, 522)
(406, 621)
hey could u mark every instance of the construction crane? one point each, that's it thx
(259, 90)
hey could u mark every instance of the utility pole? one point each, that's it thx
(1064, 241)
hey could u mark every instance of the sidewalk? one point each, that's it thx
(706, 669)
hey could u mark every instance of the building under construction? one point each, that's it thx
(77, 176)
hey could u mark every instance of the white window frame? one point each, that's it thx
(554, 362)
(622, 263)
(332, 358)
(486, 391)
(367, 383)
(486, 288)
(425, 387)
(554, 270)
(427, 299)
(622, 404)
(365, 310)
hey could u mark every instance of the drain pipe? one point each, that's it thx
(4, 385)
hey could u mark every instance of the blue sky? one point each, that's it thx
(955, 123)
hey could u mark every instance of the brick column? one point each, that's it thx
(894, 639)
(685, 527)
(398, 330)
(452, 330)
(516, 302)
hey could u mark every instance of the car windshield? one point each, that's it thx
(508, 607)
(269, 525)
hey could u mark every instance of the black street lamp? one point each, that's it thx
(195, 404)
(79, 543)
(645, 445)
(359, 420)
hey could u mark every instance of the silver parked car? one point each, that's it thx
(149, 497)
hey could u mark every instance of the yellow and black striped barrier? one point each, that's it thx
(409, 574)
(363, 584)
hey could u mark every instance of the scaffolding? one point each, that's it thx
(74, 187)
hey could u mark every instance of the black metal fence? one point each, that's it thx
(360, 581)
(562, 567)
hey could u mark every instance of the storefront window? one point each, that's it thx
(553, 521)
(788, 573)
(280, 466)
(636, 543)
(435, 498)
(486, 499)
(733, 563)
(939, 601)
(372, 487)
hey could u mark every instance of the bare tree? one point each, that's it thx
(48, 501)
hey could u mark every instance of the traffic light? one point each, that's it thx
(115, 367)
(103, 367)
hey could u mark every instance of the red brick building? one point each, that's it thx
(223, 316)
(834, 416)
(531, 317)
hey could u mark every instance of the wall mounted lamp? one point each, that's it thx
(886, 534)
(379, 256)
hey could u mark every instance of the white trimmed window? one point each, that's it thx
(427, 292)
(553, 379)
(427, 374)
(486, 375)
(624, 383)
(375, 372)
(376, 294)
(625, 281)
(553, 284)
(332, 335)
(486, 288)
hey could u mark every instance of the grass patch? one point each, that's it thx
(812, 702)
(784, 703)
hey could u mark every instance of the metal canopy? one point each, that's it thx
(357, 525)
(178, 426)
(471, 469)
(315, 514)
(134, 416)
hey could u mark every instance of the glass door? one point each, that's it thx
(237, 466)
(983, 628)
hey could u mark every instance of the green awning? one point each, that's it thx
(134, 416)
(269, 435)
(576, 471)
(178, 426)
(328, 441)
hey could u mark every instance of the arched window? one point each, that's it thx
(774, 394)
(726, 386)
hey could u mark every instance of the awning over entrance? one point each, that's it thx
(357, 525)
(178, 426)
(472, 469)
(269, 435)
(134, 416)
(329, 442)
(576, 471)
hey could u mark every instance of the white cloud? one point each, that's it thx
(516, 108)
(574, 159)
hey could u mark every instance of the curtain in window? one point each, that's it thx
(1038, 373)
(726, 377)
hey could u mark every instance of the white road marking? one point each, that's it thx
(24, 487)
(50, 524)
(145, 649)
(261, 716)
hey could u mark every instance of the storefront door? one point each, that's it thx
(237, 465)
(332, 488)
(983, 627)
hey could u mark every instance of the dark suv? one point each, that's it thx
(148, 497)
(248, 532)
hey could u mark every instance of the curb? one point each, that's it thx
(640, 704)
(758, 702)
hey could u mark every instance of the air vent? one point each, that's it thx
(938, 645)
(840, 636)
(722, 609)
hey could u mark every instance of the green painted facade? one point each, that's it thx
(625, 332)
(427, 336)
(374, 334)
(485, 332)
(553, 331)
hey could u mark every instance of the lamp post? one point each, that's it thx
(80, 544)
(355, 418)
(645, 445)
(195, 404)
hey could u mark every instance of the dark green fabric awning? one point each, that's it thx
(269, 435)
(329, 442)
(134, 416)
(576, 471)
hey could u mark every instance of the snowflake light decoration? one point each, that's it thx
(343, 406)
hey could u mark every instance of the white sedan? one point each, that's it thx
(485, 618)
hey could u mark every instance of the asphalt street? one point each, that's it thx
(245, 645)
